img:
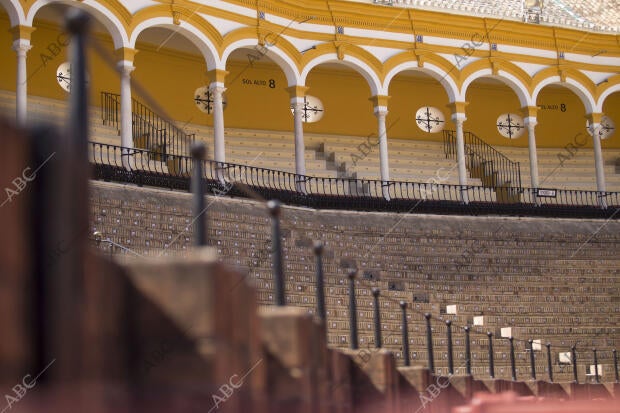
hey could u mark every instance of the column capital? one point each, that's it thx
(297, 91)
(216, 89)
(381, 111)
(458, 118)
(530, 122)
(126, 54)
(217, 75)
(297, 105)
(21, 32)
(380, 100)
(125, 67)
(21, 46)
(529, 111)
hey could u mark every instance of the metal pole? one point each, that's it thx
(199, 152)
(532, 359)
(78, 24)
(513, 369)
(549, 364)
(595, 366)
(491, 365)
(377, 314)
(276, 251)
(429, 343)
(352, 309)
(616, 365)
(449, 338)
(403, 306)
(320, 288)
(574, 360)
(467, 352)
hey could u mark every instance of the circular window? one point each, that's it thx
(510, 125)
(430, 119)
(204, 100)
(63, 76)
(312, 111)
(605, 130)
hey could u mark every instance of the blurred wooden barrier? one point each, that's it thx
(83, 334)
(510, 402)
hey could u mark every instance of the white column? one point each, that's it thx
(599, 163)
(297, 103)
(459, 118)
(384, 165)
(21, 47)
(219, 149)
(530, 124)
(126, 117)
(125, 68)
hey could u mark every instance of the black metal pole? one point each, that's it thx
(199, 152)
(467, 352)
(77, 25)
(513, 369)
(574, 360)
(532, 359)
(491, 361)
(403, 306)
(596, 366)
(378, 339)
(429, 343)
(549, 364)
(320, 288)
(616, 365)
(276, 251)
(450, 355)
(352, 309)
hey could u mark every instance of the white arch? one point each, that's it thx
(507, 78)
(15, 11)
(350, 61)
(430, 69)
(601, 100)
(114, 26)
(273, 52)
(198, 38)
(572, 84)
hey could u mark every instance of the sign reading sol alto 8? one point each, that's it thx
(271, 83)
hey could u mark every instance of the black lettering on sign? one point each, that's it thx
(258, 82)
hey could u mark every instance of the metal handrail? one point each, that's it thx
(144, 167)
(147, 125)
(500, 169)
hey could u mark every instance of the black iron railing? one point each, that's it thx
(488, 164)
(143, 167)
(150, 131)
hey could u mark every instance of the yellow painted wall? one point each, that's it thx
(8, 69)
(407, 95)
(171, 79)
(611, 108)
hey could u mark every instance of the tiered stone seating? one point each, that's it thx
(410, 160)
(513, 274)
(263, 149)
(56, 112)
